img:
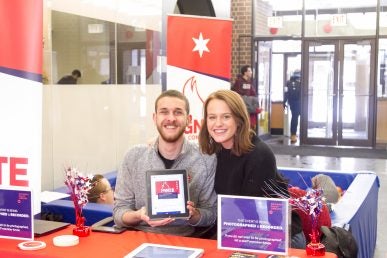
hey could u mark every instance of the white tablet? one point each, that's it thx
(167, 193)
(164, 251)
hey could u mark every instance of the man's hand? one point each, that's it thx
(153, 223)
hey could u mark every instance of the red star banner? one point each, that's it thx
(21, 47)
(198, 60)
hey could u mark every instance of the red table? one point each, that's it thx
(106, 245)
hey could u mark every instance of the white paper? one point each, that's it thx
(47, 196)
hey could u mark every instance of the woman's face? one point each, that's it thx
(221, 123)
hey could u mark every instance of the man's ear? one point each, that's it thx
(154, 117)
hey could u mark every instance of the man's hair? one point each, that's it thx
(242, 138)
(244, 69)
(173, 94)
(77, 73)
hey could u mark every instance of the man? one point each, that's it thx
(71, 79)
(244, 86)
(170, 150)
(292, 96)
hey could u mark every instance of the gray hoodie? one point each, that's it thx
(130, 191)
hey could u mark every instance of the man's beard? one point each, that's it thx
(170, 138)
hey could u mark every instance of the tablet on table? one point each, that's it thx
(164, 251)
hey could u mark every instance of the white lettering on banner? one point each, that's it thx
(169, 190)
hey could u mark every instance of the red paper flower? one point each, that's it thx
(78, 186)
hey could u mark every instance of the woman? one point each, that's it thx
(101, 191)
(245, 165)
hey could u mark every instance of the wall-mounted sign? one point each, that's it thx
(339, 20)
(275, 22)
(95, 28)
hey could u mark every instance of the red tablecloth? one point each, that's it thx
(106, 245)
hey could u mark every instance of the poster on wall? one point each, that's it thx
(21, 94)
(198, 61)
(253, 224)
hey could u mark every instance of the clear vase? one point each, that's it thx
(80, 229)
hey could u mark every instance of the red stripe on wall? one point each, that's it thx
(21, 35)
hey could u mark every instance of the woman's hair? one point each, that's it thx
(98, 187)
(242, 138)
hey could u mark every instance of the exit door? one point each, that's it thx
(338, 97)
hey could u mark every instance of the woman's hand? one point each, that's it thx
(194, 214)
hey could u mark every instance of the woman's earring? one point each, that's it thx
(211, 140)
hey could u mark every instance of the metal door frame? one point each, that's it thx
(337, 125)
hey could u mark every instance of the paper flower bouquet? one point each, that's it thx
(78, 186)
(312, 204)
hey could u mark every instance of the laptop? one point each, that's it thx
(44, 227)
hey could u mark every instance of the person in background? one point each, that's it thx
(170, 150)
(246, 166)
(330, 190)
(71, 79)
(293, 97)
(243, 85)
(101, 192)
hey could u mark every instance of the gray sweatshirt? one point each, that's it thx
(130, 191)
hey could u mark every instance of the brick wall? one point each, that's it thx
(241, 36)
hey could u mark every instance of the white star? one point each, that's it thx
(200, 45)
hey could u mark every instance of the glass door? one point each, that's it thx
(356, 94)
(263, 51)
(274, 61)
(338, 97)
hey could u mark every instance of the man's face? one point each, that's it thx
(171, 118)
(249, 73)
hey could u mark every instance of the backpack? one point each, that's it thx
(251, 103)
(339, 241)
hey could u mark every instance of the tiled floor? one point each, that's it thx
(348, 164)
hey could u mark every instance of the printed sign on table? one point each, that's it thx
(253, 224)
(16, 219)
